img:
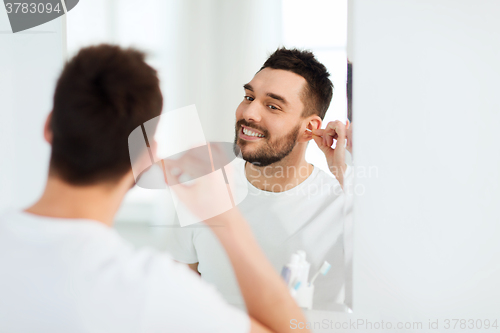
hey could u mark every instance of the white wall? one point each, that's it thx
(218, 46)
(30, 62)
(426, 113)
(321, 27)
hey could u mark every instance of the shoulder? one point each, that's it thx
(324, 177)
(324, 184)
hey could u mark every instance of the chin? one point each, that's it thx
(245, 149)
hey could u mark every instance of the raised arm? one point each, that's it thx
(266, 296)
(335, 157)
(268, 301)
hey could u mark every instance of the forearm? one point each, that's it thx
(266, 296)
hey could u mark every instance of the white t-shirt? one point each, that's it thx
(75, 275)
(308, 217)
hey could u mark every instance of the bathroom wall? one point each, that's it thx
(426, 116)
(425, 119)
(30, 62)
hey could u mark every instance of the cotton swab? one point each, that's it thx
(323, 270)
(310, 131)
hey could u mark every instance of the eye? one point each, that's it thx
(248, 98)
(272, 107)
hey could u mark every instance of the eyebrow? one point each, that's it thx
(277, 97)
(247, 86)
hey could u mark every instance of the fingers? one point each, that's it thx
(185, 169)
(334, 130)
(179, 172)
(318, 132)
(196, 163)
(173, 171)
(328, 137)
(319, 142)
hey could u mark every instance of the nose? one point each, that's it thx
(252, 112)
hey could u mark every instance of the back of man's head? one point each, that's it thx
(317, 95)
(103, 93)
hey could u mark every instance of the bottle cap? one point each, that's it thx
(302, 255)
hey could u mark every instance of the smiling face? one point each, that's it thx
(269, 120)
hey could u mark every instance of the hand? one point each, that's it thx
(335, 157)
(198, 184)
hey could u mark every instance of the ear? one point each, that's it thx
(47, 131)
(311, 122)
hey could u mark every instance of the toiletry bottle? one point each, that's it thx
(294, 269)
(304, 268)
(304, 294)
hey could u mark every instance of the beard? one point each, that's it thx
(271, 150)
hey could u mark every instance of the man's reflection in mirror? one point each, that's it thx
(291, 204)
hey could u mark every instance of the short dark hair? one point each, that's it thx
(101, 96)
(318, 92)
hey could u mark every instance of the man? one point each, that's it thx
(65, 270)
(291, 205)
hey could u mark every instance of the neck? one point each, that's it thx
(283, 175)
(95, 202)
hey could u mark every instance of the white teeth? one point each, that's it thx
(250, 133)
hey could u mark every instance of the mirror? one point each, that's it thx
(210, 54)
